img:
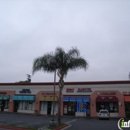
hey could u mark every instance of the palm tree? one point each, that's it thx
(64, 62)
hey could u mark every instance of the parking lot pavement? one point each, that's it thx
(94, 124)
(27, 120)
(82, 123)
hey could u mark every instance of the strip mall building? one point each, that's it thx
(78, 98)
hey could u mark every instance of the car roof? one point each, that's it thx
(103, 110)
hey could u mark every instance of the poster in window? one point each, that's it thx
(81, 107)
(69, 108)
(111, 106)
(65, 109)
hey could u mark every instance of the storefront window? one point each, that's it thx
(70, 108)
(56, 106)
(127, 109)
(112, 107)
(6, 104)
(26, 105)
(43, 106)
(127, 106)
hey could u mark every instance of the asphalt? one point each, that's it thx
(94, 124)
(81, 123)
(28, 120)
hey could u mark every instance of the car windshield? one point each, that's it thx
(103, 111)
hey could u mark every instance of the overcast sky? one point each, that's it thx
(100, 29)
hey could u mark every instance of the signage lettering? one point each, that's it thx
(70, 90)
(25, 91)
(126, 93)
(108, 93)
(48, 93)
(84, 90)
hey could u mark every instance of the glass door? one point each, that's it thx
(49, 104)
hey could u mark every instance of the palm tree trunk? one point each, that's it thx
(59, 105)
(61, 85)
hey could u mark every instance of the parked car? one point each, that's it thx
(104, 114)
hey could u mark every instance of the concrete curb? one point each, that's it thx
(66, 127)
(62, 127)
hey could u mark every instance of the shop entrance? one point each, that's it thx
(88, 109)
(49, 104)
(69, 108)
(16, 105)
(2, 105)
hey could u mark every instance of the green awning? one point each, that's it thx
(4, 97)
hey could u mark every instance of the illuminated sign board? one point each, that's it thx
(25, 91)
(84, 90)
(81, 106)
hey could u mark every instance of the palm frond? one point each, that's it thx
(78, 63)
(43, 63)
(74, 52)
(64, 61)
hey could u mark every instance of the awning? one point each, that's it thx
(79, 99)
(106, 99)
(24, 98)
(127, 98)
(4, 97)
(86, 99)
(66, 99)
(48, 98)
(76, 99)
(72, 99)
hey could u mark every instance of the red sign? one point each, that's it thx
(65, 106)
(2, 92)
(69, 90)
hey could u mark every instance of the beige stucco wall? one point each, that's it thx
(37, 89)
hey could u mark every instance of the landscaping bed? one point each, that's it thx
(59, 127)
(16, 128)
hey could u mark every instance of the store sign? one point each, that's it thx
(25, 91)
(84, 90)
(106, 93)
(126, 93)
(48, 93)
(69, 90)
(2, 92)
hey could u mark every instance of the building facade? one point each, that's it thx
(78, 98)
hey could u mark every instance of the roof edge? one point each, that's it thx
(71, 83)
